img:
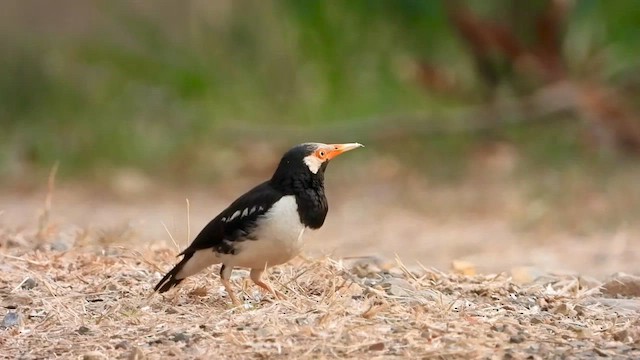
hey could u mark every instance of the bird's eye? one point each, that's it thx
(321, 153)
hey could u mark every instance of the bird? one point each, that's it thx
(264, 227)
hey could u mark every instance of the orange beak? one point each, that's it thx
(337, 149)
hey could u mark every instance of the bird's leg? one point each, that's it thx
(256, 275)
(225, 275)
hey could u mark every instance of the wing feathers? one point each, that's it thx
(233, 224)
(236, 221)
(170, 280)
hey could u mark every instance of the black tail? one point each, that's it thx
(170, 280)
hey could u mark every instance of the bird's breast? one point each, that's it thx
(278, 236)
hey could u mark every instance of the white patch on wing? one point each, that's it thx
(241, 213)
(200, 260)
(313, 163)
(279, 238)
(235, 215)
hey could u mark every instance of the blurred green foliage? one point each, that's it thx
(160, 87)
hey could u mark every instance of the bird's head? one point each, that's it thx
(311, 158)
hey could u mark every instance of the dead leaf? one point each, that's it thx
(94, 355)
(200, 291)
(582, 332)
(463, 267)
(622, 336)
(525, 274)
(622, 284)
(374, 310)
(602, 353)
(397, 287)
(13, 301)
(564, 309)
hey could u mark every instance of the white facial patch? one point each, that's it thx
(313, 163)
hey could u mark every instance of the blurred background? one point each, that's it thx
(503, 134)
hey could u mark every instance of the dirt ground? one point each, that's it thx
(411, 271)
(93, 302)
(495, 227)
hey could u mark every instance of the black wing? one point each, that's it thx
(236, 222)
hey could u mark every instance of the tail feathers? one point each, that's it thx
(170, 280)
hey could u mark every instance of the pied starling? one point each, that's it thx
(263, 227)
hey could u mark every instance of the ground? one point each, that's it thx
(383, 279)
(97, 303)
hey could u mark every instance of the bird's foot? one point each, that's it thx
(255, 276)
(279, 295)
(274, 296)
(231, 293)
(235, 302)
(268, 289)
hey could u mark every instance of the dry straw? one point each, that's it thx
(96, 302)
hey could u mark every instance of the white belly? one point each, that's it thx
(279, 238)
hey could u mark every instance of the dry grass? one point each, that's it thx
(95, 301)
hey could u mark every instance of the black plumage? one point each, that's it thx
(276, 211)
(221, 236)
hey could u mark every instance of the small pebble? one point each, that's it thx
(498, 327)
(11, 319)
(29, 284)
(14, 301)
(622, 335)
(124, 344)
(263, 332)
(59, 245)
(622, 285)
(180, 337)
(537, 320)
(516, 339)
(83, 330)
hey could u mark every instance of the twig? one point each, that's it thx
(404, 268)
(25, 260)
(109, 311)
(138, 255)
(171, 236)
(46, 212)
(40, 278)
(19, 285)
